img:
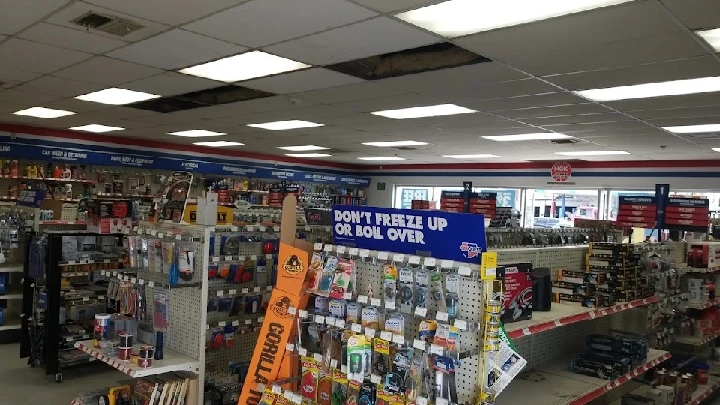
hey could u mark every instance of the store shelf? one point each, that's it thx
(704, 391)
(172, 361)
(705, 305)
(554, 384)
(566, 314)
(52, 179)
(700, 269)
(12, 321)
(13, 293)
(61, 222)
(11, 267)
(74, 274)
(87, 261)
(696, 340)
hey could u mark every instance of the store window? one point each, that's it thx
(405, 195)
(559, 208)
(506, 197)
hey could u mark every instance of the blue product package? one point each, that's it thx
(2, 317)
(3, 283)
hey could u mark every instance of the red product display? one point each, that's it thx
(637, 211)
(479, 203)
(688, 214)
(517, 292)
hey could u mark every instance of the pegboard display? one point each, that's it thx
(555, 258)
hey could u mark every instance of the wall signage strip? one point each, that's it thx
(687, 214)
(637, 211)
(32, 149)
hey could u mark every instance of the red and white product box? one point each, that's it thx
(517, 291)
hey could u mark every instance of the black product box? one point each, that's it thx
(564, 287)
(623, 364)
(633, 347)
(594, 369)
(517, 291)
(581, 277)
(588, 301)
(602, 260)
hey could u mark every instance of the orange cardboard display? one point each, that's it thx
(279, 325)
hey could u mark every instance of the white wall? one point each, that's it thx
(384, 198)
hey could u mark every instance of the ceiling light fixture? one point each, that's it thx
(97, 128)
(647, 90)
(303, 148)
(716, 149)
(245, 66)
(475, 156)
(542, 136)
(218, 144)
(284, 125)
(395, 143)
(196, 133)
(693, 129)
(116, 96)
(427, 111)
(308, 155)
(712, 37)
(381, 158)
(42, 112)
(593, 153)
(455, 18)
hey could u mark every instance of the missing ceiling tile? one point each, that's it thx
(199, 99)
(443, 55)
(106, 23)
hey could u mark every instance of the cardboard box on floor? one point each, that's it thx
(279, 325)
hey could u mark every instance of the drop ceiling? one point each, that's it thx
(522, 81)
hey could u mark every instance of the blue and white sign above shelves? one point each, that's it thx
(33, 149)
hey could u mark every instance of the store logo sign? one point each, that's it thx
(470, 249)
(561, 172)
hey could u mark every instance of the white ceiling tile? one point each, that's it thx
(479, 73)
(373, 37)
(107, 71)
(597, 126)
(304, 80)
(624, 22)
(176, 49)
(647, 73)
(24, 13)
(119, 112)
(350, 92)
(627, 53)
(385, 6)
(57, 86)
(577, 119)
(171, 83)
(542, 100)
(264, 22)
(16, 76)
(77, 39)
(679, 112)
(539, 112)
(25, 98)
(27, 56)
(78, 106)
(387, 103)
(696, 14)
(79, 8)
(491, 91)
(271, 104)
(173, 12)
(672, 122)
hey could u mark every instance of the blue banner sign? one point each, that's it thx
(32, 149)
(31, 198)
(443, 235)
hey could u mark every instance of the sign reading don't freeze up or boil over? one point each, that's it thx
(443, 235)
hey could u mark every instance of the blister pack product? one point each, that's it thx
(325, 389)
(344, 279)
(427, 330)
(407, 290)
(369, 318)
(328, 275)
(311, 337)
(322, 304)
(238, 304)
(359, 353)
(352, 312)
(368, 394)
(437, 295)
(229, 332)
(268, 397)
(253, 304)
(395, 380)
(395, 323)
(390, 278)
(309, 379)
(381, 357)
(186, 264)
(161, 300)
(447, 338)
(340, 388)
(337, 309)
(315, 272)
(225, 304)
(452, 294)
(414, 380)
(445, 378)
(422, 280)
(353, 392)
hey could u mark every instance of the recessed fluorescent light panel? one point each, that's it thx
(455, 18)
(594, 153)
(378, 158)
(647, 90)
(42, 112)
(712, 37)
(693, 129)
(196, 133)
(395, 143)
(475, 156)
(716, 149)
(97, 128)
(218, 144)
(308, 155)
(116, 96)
(302, 148)
(245, 66)
(284, 125)
(427, 111)
(544, 136)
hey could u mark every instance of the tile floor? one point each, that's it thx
(22, 385)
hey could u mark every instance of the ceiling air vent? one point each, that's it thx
(405, 148)
(108, 24)
(568, 141)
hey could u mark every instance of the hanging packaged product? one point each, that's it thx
(452, 294)
(359, 352)
(337, 309)
(315, 272)
(427, 330)
(344, 279)
(352, 312)
(353, 392)
(322, 305)
(395, 323)
(268, 397)
(161, 301)
(414, 380)
(517, 292)
(368, 394)
(340, 388)
(370, 318)
(447, 338)
(422, 279)
(437, 296)
(325, 386)
(381, 358)
(390, 278)
(310, 337)
(186, 265)
(310, 378)
(407, 290)
(395, 380)
(445, 379)
(328, 275)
